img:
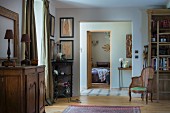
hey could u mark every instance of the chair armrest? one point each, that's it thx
(136, 82)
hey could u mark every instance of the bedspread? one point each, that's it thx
(102, 72)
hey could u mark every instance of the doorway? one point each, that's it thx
(118, 32)
(98, 59)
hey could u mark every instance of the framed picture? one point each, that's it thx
(128, 46)
(52, 48)
(52, 25)
(67, 48)
(67, 27)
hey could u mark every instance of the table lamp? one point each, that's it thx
(121, 62)
(8, 35)
(26, 39)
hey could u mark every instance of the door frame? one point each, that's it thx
(89, 55)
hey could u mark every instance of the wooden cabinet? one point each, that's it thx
(22, 89)
(63, 78)
(159, 50)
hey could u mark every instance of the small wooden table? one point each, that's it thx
(120, 76)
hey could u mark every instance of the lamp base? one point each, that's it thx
(8, 63)
(26, 62)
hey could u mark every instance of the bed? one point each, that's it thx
(101, 73)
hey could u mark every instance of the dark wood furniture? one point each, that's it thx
(63, 78)
(22, 89)
(121, 74)
(159, 50)
(143, 83)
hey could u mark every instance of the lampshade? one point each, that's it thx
(8, 34)
(121, 59)
(25, 38)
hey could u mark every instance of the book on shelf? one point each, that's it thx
(164, 63)
(154, 63)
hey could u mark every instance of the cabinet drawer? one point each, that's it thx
(30, 71)
(12, 72)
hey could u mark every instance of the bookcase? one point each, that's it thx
(159, 50)
(62, 76)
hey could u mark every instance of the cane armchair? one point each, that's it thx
(142, 84)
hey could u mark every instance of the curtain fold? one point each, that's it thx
(46, 53)
(31, 30)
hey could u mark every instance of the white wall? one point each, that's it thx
(117, 46)
(15, 6)
(117, 14)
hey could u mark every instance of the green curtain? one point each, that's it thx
(31, 30)
(46, 53)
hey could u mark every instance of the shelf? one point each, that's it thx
(164, 56)
(61, 80)
(164, 79)
(164, 43)
(167, 33)
(65, 75)
(164, 71)
(164, 92)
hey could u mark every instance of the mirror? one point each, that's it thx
(12, 22)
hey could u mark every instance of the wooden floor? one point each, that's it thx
(163, 106)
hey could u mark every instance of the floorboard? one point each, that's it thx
(163, 106)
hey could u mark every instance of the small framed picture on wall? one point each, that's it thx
(52, 48)
(52, 25)
(67, 48)
(66, 27)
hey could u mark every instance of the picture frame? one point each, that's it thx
(129, 46)
(52, 25)
(67, 49)
(66, 27)
(52, 45)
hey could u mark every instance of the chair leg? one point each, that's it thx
(146, 97)
(130, 95)
(151, 97)
(142, 96)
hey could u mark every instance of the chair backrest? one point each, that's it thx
(147, 73)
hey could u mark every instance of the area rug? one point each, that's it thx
(101, 109)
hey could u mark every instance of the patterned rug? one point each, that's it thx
(101, 109)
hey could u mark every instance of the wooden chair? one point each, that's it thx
(142, 84)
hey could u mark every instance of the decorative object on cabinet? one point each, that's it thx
(8, 35)
(22, 89)
(52, 25)
(26, 39)
(128, 46)
(67, 48)
(66, 27)
(8, 14)
(158, 50)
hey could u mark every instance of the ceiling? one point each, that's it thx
(108, 3)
